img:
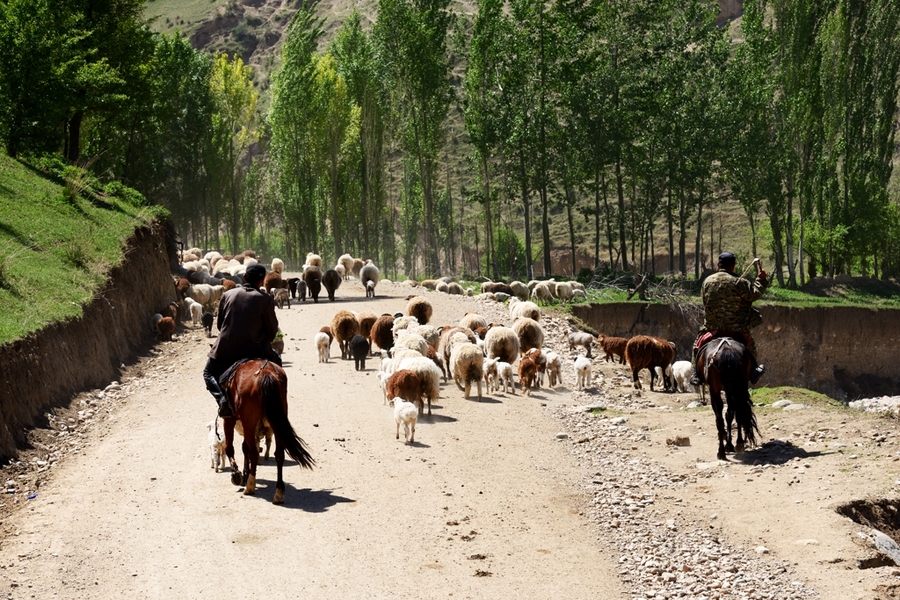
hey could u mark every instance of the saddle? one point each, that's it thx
(226, 377)
(709, 336)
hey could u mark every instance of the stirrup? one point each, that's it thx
(756, 373)
(225, 411)
(695, 379)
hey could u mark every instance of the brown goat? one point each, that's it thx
(645, 352)
(527, 374)
(344, 326)
(273, 280)
(366, 321)
(613, 346)
(540, 359)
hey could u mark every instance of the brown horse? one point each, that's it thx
(725, 364)
(259, 390)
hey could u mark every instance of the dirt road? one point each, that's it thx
(482, 506)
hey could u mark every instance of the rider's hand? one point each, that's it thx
(762, 274)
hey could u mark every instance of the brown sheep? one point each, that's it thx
(166, 328)
(366, 321)
(429, 284)
(228, 284)
(327, 330)
(443, 349)
(182, 285)
(473, 321)
(645, 352)
(540, 359)
(613, 346)
(273, 280)
(382, 332)
(358, 264)
(531, 334)
(420, 308)
(498, 287)
(404, 384)
(331, 280)
(344, 326)
(527, 374)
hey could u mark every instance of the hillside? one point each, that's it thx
(57, 243)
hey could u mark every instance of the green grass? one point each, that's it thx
(56, 247)
(183, 15)
(768, 395)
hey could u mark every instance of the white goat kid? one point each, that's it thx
(216, 446)
(406, 413)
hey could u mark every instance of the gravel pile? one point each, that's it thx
(883, 404)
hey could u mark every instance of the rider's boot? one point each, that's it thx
(756, 373)
(695, 379)
(224, 409)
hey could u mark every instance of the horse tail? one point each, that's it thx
(737, 392)
(278, 420)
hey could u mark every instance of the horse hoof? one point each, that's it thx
(740, 448)
(279, 497)
(250, 488)
(236, 478)
(720, 456)
(729, 448)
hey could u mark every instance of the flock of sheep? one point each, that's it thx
(543, 292)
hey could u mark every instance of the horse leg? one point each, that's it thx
(251, 459)
(715, 399)
(228, 425)
(279, 484)
(729, 419)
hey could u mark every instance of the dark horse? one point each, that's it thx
(725, 364)
(259, 391)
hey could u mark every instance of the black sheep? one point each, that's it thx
(359, 347)
(332, 281)
(292, 285)
(313, 278)
(207, 320)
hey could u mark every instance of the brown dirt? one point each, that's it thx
(486, 504)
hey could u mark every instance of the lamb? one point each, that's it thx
(216, 446)
(505, 376)
(282, 296)
(529, 310)
(540, 359)
(293, 283)
(195, 310)
(583, 372)
(207, 320)
(531, 334)
(313, 278)
(166, 328)
(343, 327)
(332, 281)
(420, 308)
(554, 368)
(527, 374)
(277, 266)
(580, 338)
(467, 365)
(404, 384)
(341, 271)
(490, 374)
(407, 414)
(346, 261)
(327, 331)
(613, 346)
(369, 273)
(681, 373)
(579, 294)
(501, 343)
(645, 352)
(323, 346)
(429, 378)
(359, 347)
(382, 334)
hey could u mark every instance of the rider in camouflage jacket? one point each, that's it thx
(728, 304)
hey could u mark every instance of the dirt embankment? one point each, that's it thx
(48, 367)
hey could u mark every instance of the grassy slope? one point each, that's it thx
(54, 253)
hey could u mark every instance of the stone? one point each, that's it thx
(781, 403)
(562, 436)
(762, 550)
(795, 407)
(679, 440)
(618, 421)
(694, 404)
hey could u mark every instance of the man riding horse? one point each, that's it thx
(247, 325)
(728, 310)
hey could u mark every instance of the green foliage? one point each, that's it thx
(510, 254)
(55, 251)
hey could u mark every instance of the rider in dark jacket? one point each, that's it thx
(247, 325)
(728, 306)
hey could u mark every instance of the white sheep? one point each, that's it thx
(401, 323)
(341, 271)
(505, 376)
(580, 294)
(413, 341)
(323, 346)
(580, 338)
(542, 293)
(431, 334)
(666, 377)
(346, 263)
(196, 311)
(524, 309)
(407, 414)
(205, 294)
(501, 343)
(564, 291)
(216, 446)
(313, 260)
(277, 266)
(583, 372)
(520, 290)
(467, 365)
